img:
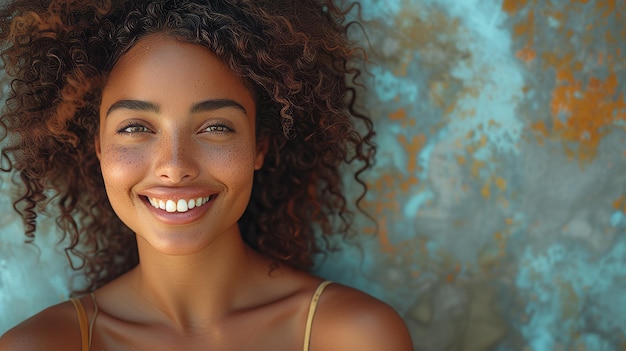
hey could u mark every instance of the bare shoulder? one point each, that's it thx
(348, 319)
(55, 328)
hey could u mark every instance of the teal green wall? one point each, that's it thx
(500, 187)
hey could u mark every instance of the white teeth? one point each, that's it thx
(170, 206)
(178, 206)
(181, 206)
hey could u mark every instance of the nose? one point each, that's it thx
(176, 162)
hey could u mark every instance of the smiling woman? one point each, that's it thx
(193, 149)
(186, 133)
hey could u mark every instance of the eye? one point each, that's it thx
(218, 129)
(133, 128)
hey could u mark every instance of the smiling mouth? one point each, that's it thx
(180, 205)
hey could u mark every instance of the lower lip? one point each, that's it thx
(179, 218)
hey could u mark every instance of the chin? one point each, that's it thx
(178, 242)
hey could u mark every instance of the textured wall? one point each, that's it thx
(501, 182)
(500, 187)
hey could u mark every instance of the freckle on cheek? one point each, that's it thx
(118, 161)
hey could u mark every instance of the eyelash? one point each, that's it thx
(124, 129)
(215, 128)
(218, 128)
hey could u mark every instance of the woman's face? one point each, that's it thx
(177, 144)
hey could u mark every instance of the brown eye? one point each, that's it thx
(218, 128)
(132, 129)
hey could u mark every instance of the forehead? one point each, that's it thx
(159, 67)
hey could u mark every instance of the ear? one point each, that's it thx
(98, 147)
(262, 145)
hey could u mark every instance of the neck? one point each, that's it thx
(201, 288)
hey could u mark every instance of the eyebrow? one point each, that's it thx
(134, 105)
(203, 106)
(216, 104)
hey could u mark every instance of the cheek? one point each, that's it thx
(233, 165)
(119, 165)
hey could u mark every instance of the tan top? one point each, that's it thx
(86, 326)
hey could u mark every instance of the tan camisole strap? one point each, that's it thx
(312, 308)
(86, 326)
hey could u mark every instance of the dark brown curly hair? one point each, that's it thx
(294, 54)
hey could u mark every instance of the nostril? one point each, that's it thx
(177, 170)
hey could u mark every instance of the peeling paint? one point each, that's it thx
(583, 116)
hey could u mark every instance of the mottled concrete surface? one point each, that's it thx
(500, 187)
(501, 182)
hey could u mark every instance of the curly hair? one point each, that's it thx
(294, 54)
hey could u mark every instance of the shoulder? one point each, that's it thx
(55, 328)
(348, 319)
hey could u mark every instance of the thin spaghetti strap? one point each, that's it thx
(312, 308)
(93, 318)
(82, 321)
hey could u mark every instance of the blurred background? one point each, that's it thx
(500, 185)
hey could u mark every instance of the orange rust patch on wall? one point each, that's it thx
(526, 28)
(551, 59)
(526, 54)
(398, 115)
(390, 187)
(460, 159)
(583, 116)
(500, 183)
(401, 116)
(488, 187)
(382, 186)
(486, 191)
(606, 6)
(412, 148)
(620, 204)
(383, 236)
(512, 6)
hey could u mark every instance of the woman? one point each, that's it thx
(193, 148)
